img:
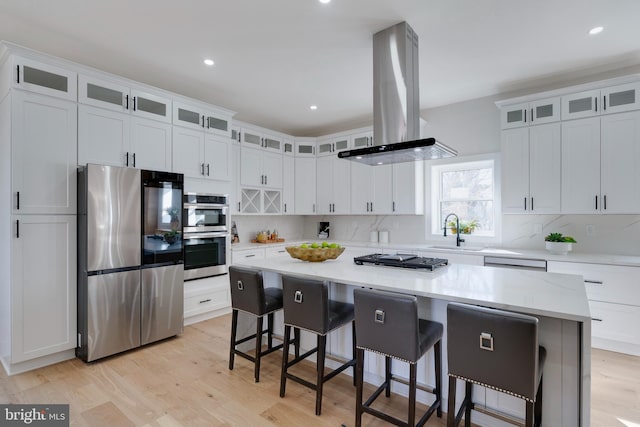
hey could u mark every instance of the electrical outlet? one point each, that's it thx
(591, 230)
(537, 228)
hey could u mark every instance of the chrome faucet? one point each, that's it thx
(458, 239)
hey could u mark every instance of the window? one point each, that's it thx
(466, 189)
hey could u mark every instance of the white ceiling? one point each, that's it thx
(276, 58)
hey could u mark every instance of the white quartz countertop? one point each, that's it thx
(546, 294)
(591, 258)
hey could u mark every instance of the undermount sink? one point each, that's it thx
(458, 248)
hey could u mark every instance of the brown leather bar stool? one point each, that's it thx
(387, 323)
(249, 295)
(307, 306)
(495, 349)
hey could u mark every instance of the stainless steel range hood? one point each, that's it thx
(396, 104)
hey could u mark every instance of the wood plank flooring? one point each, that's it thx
(185, 381)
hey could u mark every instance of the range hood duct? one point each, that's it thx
(396, 103)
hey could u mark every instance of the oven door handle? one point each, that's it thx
(204, 235)
(205, 205)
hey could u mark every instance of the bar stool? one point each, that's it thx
(249, 295)
(387, 323)
(307, 306)
(495, 349)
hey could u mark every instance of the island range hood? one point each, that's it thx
(396, 104)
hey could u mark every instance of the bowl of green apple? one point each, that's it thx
(315, 252)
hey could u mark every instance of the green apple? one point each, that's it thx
(333, 245)
(325, 244)
(314, 245)
(304, 245)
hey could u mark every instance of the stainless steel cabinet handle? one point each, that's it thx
(596, 99)
(371, 206)
(604, 103)
(205, 300)
(531, 115)
(203, 120)
(532, 203)
(18, 74)
(525, 203)
(134, 103)
(604, 203)
(285, 208)
(126, 102)
(134, 160)
(393, 206)
(17, 229)
(249, 256)
(265, 179)
(207, 167)
(596, 202)
(202, 169)
(18, 201)
(595, 319)
(126, 162)
(238, 206)
(525, 116)
(594, 282)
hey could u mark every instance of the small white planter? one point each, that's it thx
(559, 248)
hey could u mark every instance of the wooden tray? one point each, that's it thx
(278, 240)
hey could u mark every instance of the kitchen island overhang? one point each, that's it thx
(559, 300)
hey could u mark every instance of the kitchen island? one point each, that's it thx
(558, 300)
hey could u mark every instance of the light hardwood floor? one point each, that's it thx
(185, 381)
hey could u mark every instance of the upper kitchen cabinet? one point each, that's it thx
(614, 99)
(200, 155)
(305, 147)
(305, 185)
(45, 79)
(260, 168)
(123, 98)
(408, 188)
(371, 189)
(43, 134)
(530, 113)
(202, 118)
(330, 147)
(531, 160)
(257, 139)
(288, 184)
(333, 185)
(288, 147)
(122, 126)
(362, 139)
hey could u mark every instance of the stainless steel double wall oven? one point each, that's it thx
(206, 234)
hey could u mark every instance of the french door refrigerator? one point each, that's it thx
(130, 255)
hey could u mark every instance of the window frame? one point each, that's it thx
(433, 173)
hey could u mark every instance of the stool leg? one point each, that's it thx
(285, 359)
(387, 376)
(296, 337)
(451, 412)
(270, 331)
(232, 346)
(353, 348)
(322, 344)
(256, 373)
(538, 406)
(359, 385)
(437, 348)
(413, 369)
(467, 413)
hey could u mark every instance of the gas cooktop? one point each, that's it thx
(402, 260)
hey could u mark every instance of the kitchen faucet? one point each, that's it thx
(458, 239)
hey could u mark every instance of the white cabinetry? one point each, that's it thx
(260, 168)
(206, 298)
(305, 185)
(362, 139)
(250, 137)
(305, 148)
(43, 299)
(43, 78)
(614, 302)
(121, 126)
(197, 154)
(333, 178)
(530, 113)
(408, 188)
(202, 118)
(581, 166)
(371, 189)
(43, 153)
(288, 184)
(531, 169)
(614, 99)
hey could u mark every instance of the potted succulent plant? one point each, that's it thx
(558, 244)
(466, 227)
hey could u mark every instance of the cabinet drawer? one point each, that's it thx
(617, 322)
(206, 301)
(278, 251)
(607, 283)
(238, 256)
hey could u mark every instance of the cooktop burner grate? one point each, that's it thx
(402, 260)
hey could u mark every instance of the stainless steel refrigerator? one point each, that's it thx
(130, 259)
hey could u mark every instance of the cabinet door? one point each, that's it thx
(341, 184)
(582, 104)
(305, 149)
(150, 106)
(515, 170)
(361, 188)
(305, 185)
(235, 198)
(288, 185)
(544, 111)
(188, 152)
(324, 184)
(362, 140)
(620, 163)
(408, 188)
(272, 169)
(382, 200)
(325, 148)
(150, 144)
(217, 157)
(581, 166)
(45, 79)
(514, 116)
(621, 98)
(288, 147)
(187, 116)
(103, 94)
(251, 138)
(272, 143)
(44, 154)
(217, 124)
(103, 137)
(544, 168)
(43, 286)
(251, 173)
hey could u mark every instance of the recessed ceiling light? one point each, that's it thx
(358, 157)
(596, 30)
(313, 107)
(208, 62)
(324, 1)
(380, 163)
